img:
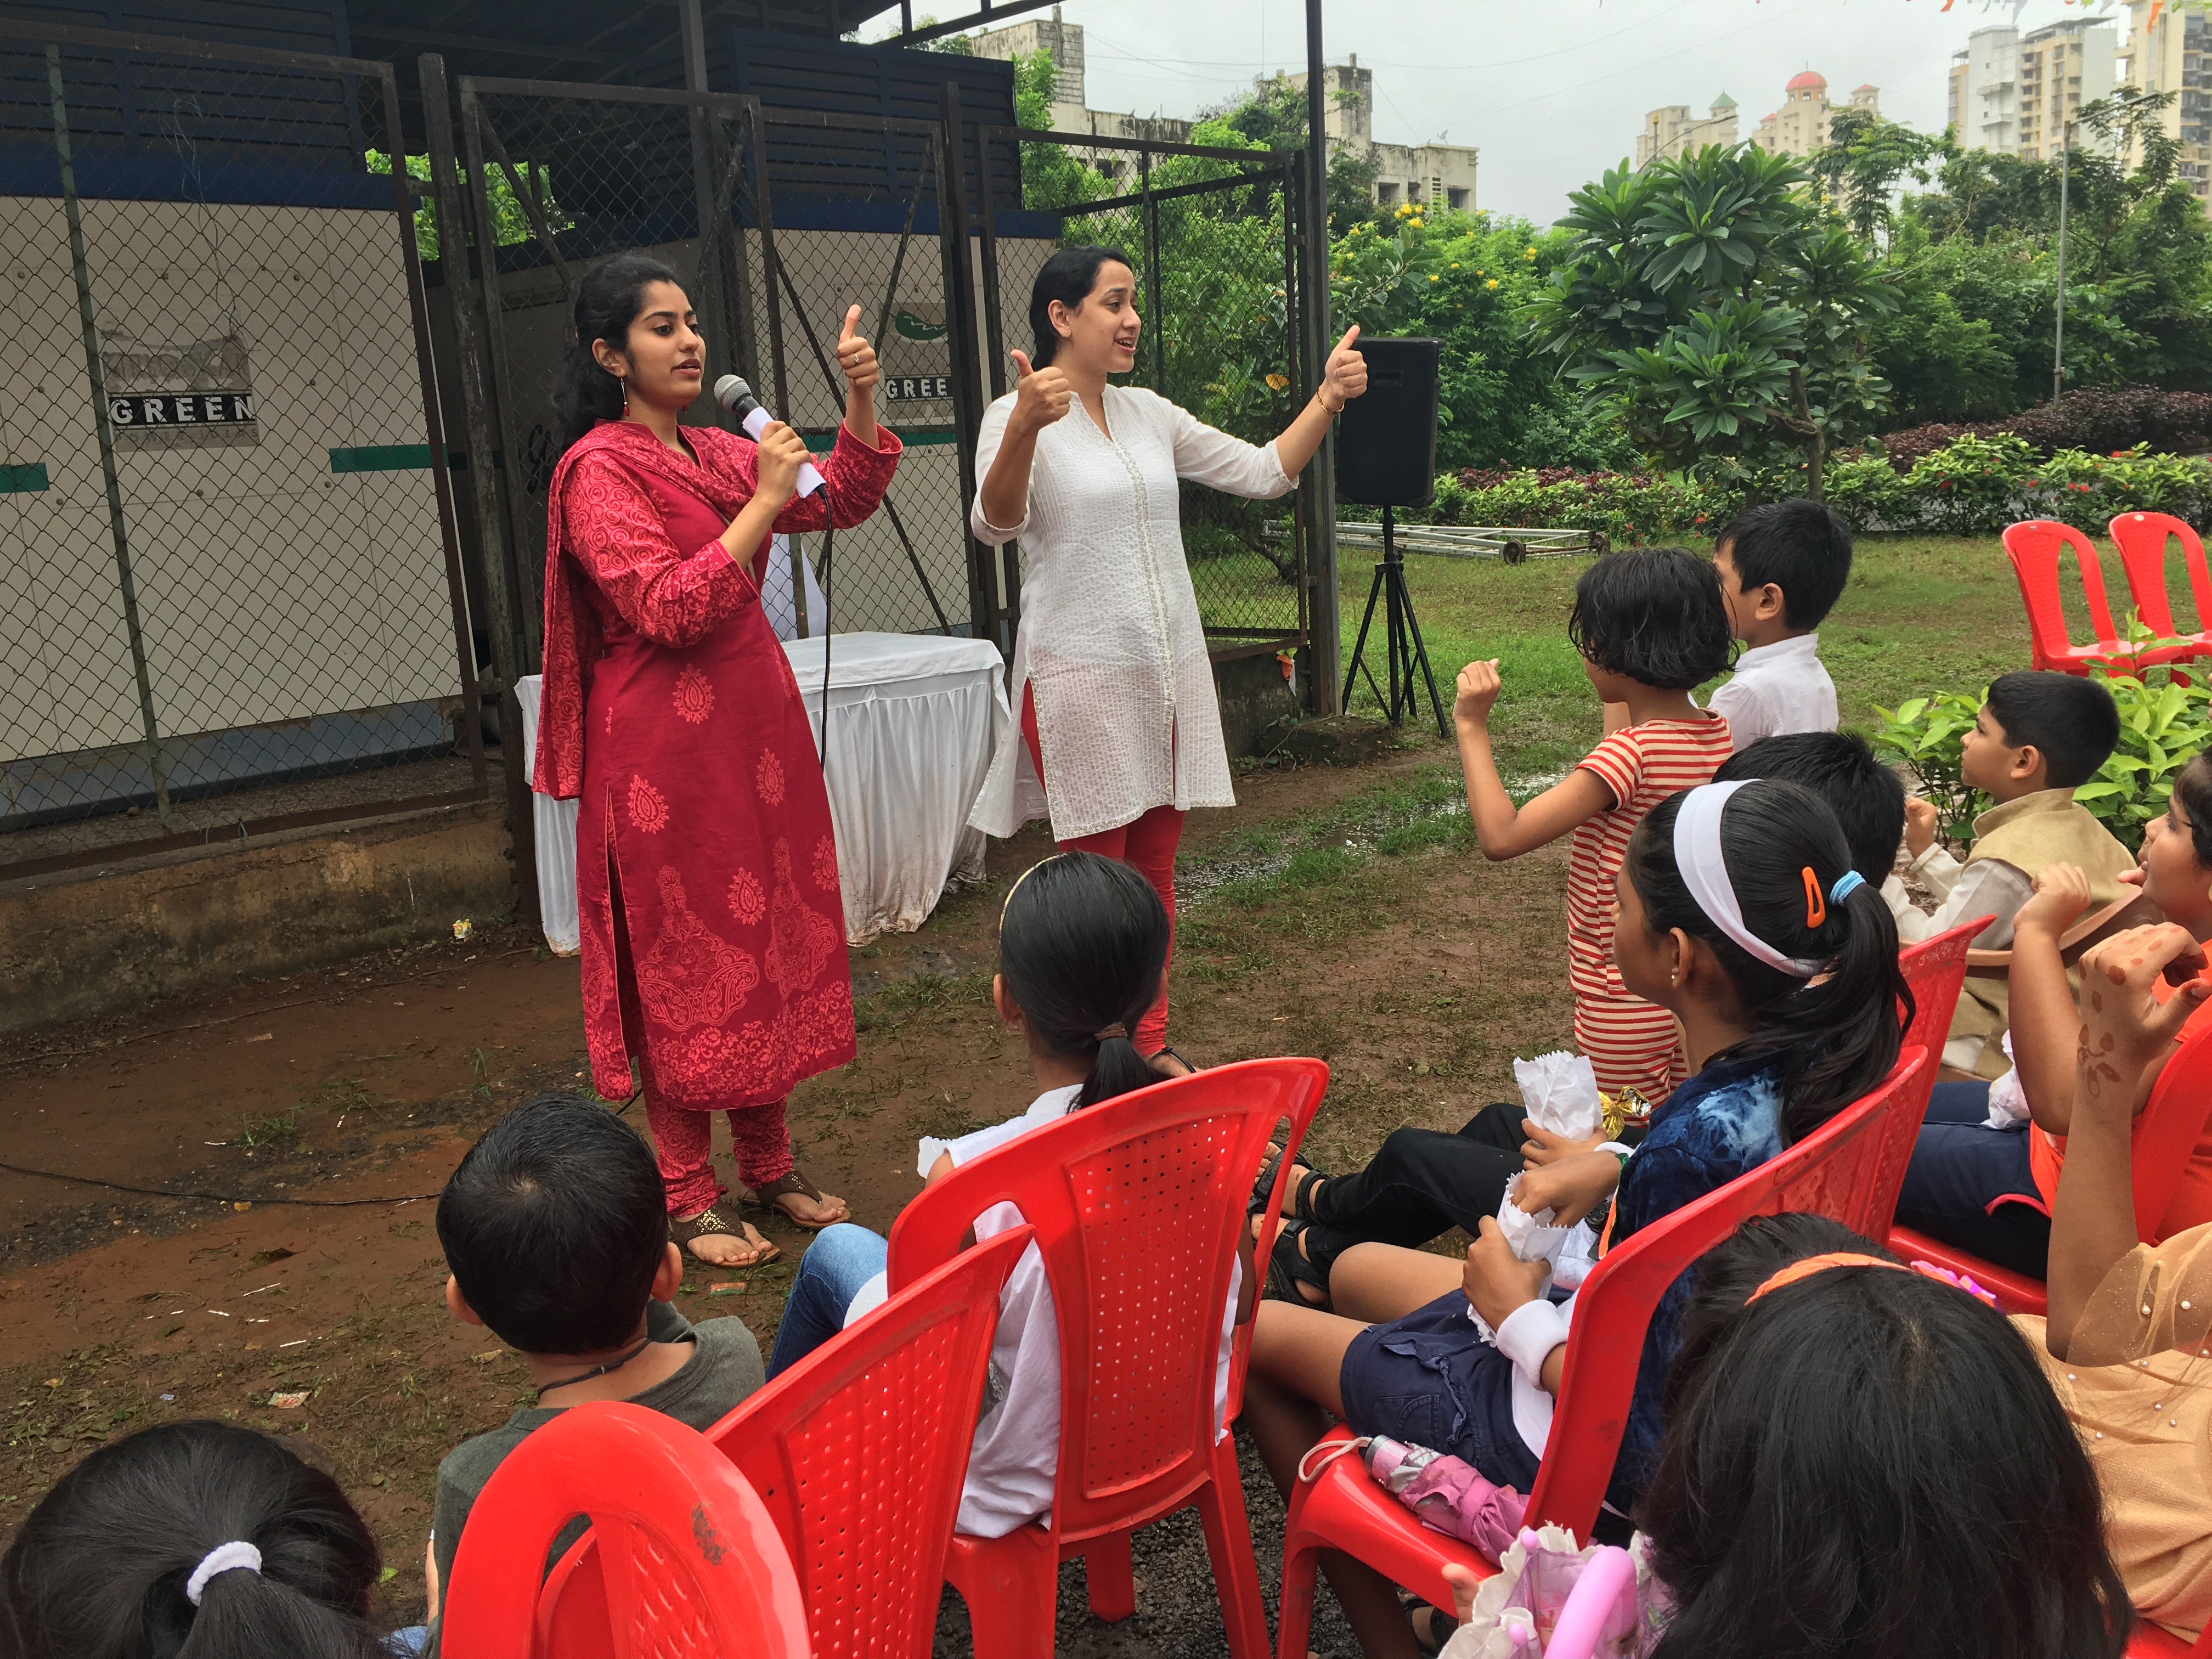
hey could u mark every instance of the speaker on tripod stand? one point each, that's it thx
(1386, 456)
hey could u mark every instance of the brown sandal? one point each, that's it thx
(709, 1222)
(795, 1184)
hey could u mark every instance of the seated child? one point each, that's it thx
(1741, 913)
(192, 1540)
(2129, 1330)
(1986, 1179)
(2039, 735)
(1649, 625)
(1781, 566)
(1855, 1447)
(1082, 942)
(556, 1233)
(1423, 1182)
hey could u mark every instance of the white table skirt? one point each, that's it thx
(914, 720)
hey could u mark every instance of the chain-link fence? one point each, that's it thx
(232, 597)
(1212, 237)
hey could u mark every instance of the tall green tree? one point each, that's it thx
(1713, 308)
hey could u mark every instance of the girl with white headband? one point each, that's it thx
(192, 1540)
(1741, 913)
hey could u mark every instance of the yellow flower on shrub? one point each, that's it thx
(1277, 382)
(1492, 282)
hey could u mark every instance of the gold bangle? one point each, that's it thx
(1323, 402)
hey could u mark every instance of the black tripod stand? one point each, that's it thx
(1405, 646)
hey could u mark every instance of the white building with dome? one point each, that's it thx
(1802, 125)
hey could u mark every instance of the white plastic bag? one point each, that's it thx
(1560, 1092)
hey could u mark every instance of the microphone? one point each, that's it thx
(734, 395)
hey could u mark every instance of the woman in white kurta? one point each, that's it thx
(1111, 675)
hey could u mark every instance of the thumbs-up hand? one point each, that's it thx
(1345, 375)
(1041, 395)
(855, 356)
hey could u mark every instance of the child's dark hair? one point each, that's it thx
(1800, 546)
(1068, 276)
(1836, 1037)
(2070, 720)
(2193, 785)
(1839, 767)
(553, 1225)
(1652, 615)
(1869, 1461)
(607, 303)
(99, 1569)
(1082, 946)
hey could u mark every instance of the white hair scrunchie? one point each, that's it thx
(235, 1557)
(1703, 868)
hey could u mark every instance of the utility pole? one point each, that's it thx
(1326, 649)
(2058, 330)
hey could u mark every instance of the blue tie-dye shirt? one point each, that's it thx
(1718, 1125)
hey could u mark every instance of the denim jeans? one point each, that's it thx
(841, 1259)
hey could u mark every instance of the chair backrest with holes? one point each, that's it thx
(2141, 539)
(2034, 545)
(1139, 1206)
(1821, 1174)
(689, 1565)
(1933, 970)
(858, 1451)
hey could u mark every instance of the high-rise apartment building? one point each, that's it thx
(2173, 52)
(2015, 92)
(1673, 130)
(1802, 125)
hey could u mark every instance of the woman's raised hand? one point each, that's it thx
(1041, 395)
(782, 451)
(1345, 376)
(855, 356)
(2125, 1029)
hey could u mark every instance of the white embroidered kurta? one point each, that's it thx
(1110, 640)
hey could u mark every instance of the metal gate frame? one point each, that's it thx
(383, 77)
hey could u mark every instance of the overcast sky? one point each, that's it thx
(1552, 92)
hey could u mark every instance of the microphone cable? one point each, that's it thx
(829, 544)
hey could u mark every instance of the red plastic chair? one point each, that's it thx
(2141, 539)
(2165, 1143)
(686, 1561)
(2033, 546)
(2149, 1642)
(859, 1450)
(1139, 1209)
(1342, 1509)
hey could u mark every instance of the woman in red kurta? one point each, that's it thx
(713, 937)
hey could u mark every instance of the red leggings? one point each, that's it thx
(1149, 846)
(684, 1145)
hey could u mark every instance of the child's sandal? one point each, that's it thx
(794, 1185)
(1289, 1266)
(708, 1224)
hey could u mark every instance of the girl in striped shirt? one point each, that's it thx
(1649, 624)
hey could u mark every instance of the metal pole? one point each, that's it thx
(102, 423)
(2059, 329)
(713, 218)
(960, 309)
(1327, 646)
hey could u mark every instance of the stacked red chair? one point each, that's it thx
(1341, 1507)
(2034, 546)
(1139, 1209)
(2142, 539)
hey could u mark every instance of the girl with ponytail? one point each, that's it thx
(1740, 913)
(191, 1540)
(1082, 944)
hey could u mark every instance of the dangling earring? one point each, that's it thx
(622, 380)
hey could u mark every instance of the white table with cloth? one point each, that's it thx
(914, 720)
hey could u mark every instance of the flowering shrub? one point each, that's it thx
(1627, 508)
(2100, 422)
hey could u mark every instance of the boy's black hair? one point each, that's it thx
(553, 1225)
(1652, 615)
(1869, 1461)
(1839, 767)
(2070, 720)
(1082, 946)
(1800, 546)
(99, 1568)
(1835, 1037)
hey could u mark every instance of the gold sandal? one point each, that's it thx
(785, 1186)
(707, 1222)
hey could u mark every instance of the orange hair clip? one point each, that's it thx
(1816, 902)
(1814, 1264)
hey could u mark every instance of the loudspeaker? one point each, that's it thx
(1386, 442)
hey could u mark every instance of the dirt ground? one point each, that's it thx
(312, 1120)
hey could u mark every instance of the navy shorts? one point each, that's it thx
(1428, 1380)
(1973, 1186)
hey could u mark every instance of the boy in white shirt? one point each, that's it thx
(1781, 566)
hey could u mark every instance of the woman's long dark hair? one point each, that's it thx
(607, 302)
(1836, 1038)
(100, 1567)
(1068, 276)
(1082, 946)
(1868, 1464)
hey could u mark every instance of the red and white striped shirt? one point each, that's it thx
(1642, 765)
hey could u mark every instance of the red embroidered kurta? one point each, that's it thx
(714, 939)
